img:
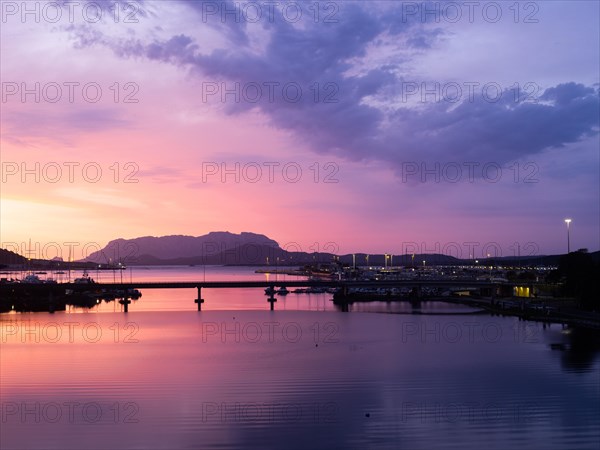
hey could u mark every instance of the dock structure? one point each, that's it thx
(125, 302)
(47, 296)
(272, 298)
(199, 300)
(46, 290)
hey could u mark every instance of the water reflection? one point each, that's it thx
(578, 348)
(290, 379)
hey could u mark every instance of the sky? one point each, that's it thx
(380, 127)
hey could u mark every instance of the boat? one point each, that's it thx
(315, 290)
(85, 279)
(282, 291)
(32, 279)
(270, 290)
(111, 294)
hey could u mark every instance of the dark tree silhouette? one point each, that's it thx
(582, 278)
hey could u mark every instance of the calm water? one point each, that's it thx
(302, 376)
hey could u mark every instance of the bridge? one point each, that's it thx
(46, 289)
(39, 292)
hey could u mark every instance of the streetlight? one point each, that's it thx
(568, 222)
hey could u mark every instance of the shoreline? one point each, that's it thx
(562, 314)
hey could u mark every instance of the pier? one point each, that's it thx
(47, 296)
(52, 290)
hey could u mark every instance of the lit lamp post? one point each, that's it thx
(568, 222)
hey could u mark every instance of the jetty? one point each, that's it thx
(492, 296)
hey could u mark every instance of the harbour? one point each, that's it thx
(493, 295)
(299, 225)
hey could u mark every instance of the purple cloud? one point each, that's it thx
(350, 125)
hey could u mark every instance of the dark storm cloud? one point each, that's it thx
(476, 129)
